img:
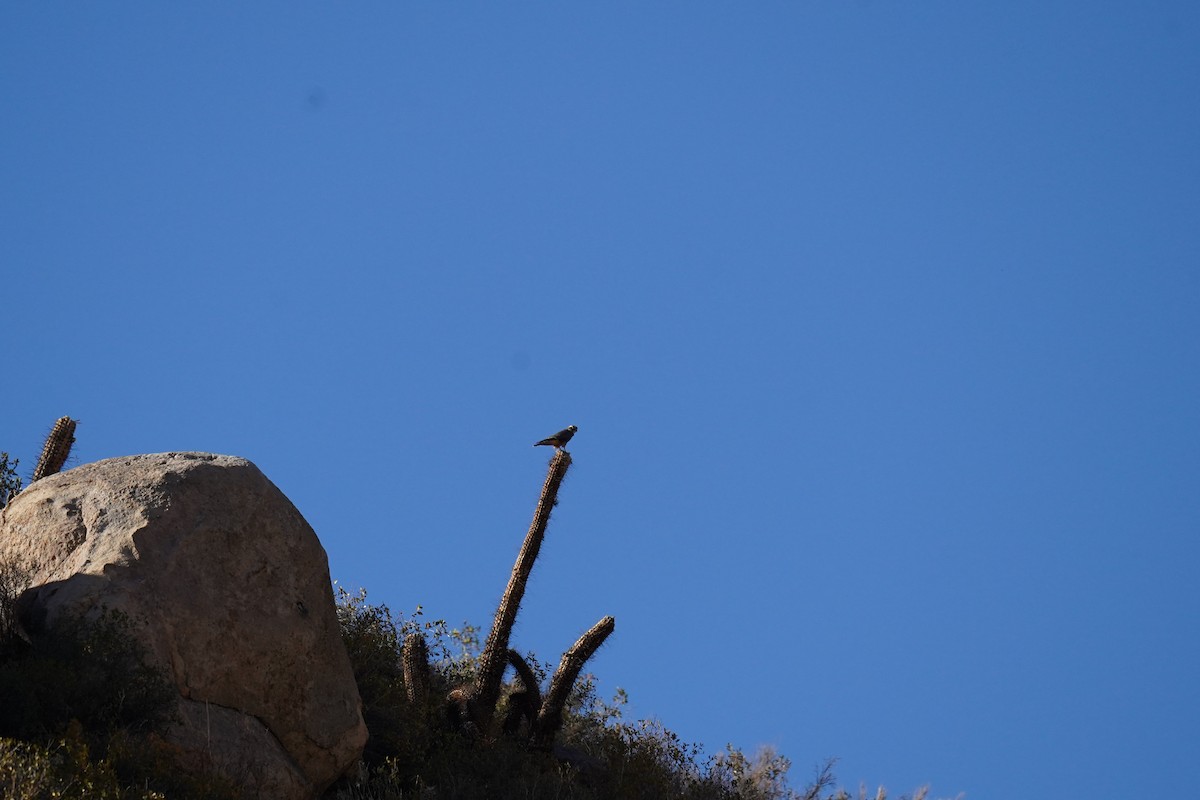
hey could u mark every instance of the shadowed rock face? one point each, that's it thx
(229, 589)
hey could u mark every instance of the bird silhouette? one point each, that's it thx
(559, 439)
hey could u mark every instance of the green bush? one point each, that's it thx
(81, 716)
(10, 481)
(63, 769)
(131, 768)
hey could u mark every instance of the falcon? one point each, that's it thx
(559, 439)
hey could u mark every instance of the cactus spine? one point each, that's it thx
(493, 660)
(57, 448)
(550, 716)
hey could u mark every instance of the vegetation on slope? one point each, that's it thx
(81, 714)
(418, 750)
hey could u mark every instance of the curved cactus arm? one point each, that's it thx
(486, 692)
(529, 681)
(523, 703)
(520, 707)
(550, 717)
(56, 450)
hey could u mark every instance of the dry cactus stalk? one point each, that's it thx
(486, 692)
(416, 668)
(550, 717)
(57, 448)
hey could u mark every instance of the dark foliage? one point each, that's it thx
(81, 712)
(10, 481)
(417, 751)
(91, 671)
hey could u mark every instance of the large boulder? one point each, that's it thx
(229, 591)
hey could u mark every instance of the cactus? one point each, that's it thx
(529, 681)
(57, 448)
(523, 703)
(550, 716)
(459, 713)
(472, 710)
(416, 668)
(486, 691)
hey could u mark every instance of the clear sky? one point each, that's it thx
(880, 322)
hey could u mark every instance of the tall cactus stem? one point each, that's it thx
(416, 668)
(57, 448)
(486, 692)
(550, 717)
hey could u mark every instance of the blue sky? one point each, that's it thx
(880, 322)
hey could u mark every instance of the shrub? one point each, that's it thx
(62, 769)
(10, 481)
(415, 752)
(82, 712)
(93, 671)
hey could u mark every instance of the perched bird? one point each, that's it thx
(559, 439)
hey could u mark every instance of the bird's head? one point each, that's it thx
(572, 428)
